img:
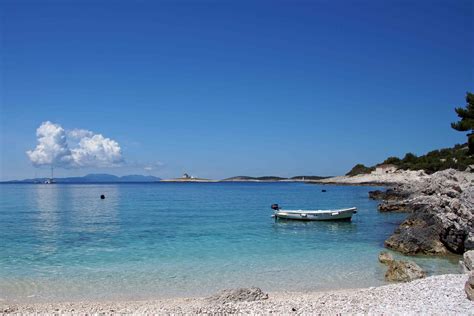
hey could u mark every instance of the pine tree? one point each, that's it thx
(466, 124)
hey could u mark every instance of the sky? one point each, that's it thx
(225, 88)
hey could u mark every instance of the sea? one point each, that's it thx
(62, 242)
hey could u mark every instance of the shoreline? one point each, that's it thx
(435, 294)
(355, 184)
(371, 179)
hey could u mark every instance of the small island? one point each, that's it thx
(253, 179)
(187, 178)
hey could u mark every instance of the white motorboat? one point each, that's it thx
(314, 215)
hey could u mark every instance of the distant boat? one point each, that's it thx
(314, 215)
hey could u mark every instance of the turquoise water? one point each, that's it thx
(61, 242)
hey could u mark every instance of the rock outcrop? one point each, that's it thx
(468, 261)
(239, 295)
(385, 257)
(375, 178)
(442, 215)
(469, 242)
(390, 206)
(403, 271)
(388, 195)
(469, 287)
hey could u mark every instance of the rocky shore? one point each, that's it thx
(440, 211)
(440, 221)
(440, 217)
(440, 208)
(389, 179)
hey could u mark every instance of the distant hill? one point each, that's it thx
(94, 178)
(187, 180)
(247, 178)
(457, 157)
(139, 178)
(272, 178)
(308, 178)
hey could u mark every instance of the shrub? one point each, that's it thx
(360, 169)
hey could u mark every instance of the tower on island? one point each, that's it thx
(50, 180)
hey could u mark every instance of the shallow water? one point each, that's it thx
(62, 242)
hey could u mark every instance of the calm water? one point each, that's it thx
(62, 242)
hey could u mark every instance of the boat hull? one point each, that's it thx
(336, 215)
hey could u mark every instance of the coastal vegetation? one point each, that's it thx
(459, 157)
(360, 169)
(466, 122)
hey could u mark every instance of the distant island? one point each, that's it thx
(109, 178)
(272, 179)
(93, 178)
(188, 178)
(253, 179)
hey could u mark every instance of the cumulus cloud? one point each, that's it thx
(75, 148)
(52, 148)
(97, 151)
(78, 133)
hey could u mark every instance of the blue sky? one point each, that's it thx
(219, 89)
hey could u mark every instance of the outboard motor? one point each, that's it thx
(275, 207)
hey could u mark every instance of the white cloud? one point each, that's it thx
(78, 133)
(97, 151)
(76, 148)
(52, 148)
(153, 166)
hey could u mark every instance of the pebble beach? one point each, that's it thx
(436, 295)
